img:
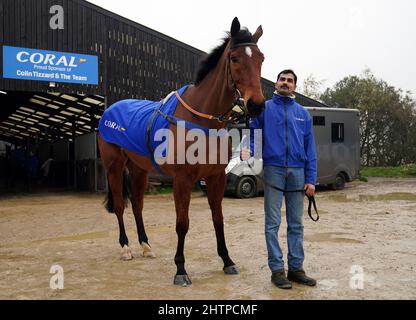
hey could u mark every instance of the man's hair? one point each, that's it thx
(286, 72)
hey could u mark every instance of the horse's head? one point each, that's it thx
(245, 61)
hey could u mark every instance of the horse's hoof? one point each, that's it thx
(126, 254)
(182, 280)
(231, 269)
(147, 251)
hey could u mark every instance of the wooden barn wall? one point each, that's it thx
(134, 61)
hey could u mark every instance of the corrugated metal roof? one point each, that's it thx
(47, 116)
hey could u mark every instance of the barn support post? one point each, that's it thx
(73, 153)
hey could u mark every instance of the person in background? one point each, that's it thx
(31, 166)
(45, 169)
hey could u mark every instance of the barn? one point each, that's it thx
(62, 63)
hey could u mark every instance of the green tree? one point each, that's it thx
(312, 87)
(387, 118)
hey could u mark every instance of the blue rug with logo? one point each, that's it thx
(125, 123)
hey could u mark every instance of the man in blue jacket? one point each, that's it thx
(289, 160)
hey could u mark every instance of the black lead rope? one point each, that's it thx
(311, 199)
(312, 202)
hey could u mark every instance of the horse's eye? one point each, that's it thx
(233, 59)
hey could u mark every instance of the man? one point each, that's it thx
(289, 160)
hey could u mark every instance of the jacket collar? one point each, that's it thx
(286, 99)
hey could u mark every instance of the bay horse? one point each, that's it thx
(230, 73)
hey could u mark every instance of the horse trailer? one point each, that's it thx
(337, 139)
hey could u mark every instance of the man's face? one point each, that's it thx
(285, 85)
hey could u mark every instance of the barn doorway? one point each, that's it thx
(48, 142)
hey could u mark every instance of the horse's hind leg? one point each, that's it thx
(215, 191)
(182, 188)
(138, 183)
(114, 161)
(115, 180)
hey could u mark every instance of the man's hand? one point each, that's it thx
(310, 189)
(245, 154)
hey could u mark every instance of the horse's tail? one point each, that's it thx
(109, 201)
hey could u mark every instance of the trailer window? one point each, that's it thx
(337, 132)
(319, 121)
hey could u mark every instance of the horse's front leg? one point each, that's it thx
(215, 190)
(182, 188)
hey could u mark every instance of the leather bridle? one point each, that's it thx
(238, 101)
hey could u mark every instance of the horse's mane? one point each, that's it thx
(210, 61)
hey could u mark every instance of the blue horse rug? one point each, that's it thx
(132, 124)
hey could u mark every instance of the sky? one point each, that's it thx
(327, 39)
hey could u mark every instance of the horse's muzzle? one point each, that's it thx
(254, 109)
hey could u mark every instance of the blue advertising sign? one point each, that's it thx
(52, 66)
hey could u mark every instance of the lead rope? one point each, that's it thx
(311, 199)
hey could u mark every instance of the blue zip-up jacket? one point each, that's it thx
(287, 136)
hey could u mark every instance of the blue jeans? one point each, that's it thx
(284, 178)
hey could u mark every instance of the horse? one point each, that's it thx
(229, 75)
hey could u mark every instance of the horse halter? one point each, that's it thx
(237, 111)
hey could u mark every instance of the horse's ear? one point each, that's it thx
(235, 27)
(257, 34)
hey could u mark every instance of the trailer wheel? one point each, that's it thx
(339, 183)
(246, 187)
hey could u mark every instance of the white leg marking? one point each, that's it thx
(147, 251)
(126, 253)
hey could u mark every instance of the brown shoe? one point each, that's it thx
(299, 276)
(279, 279)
